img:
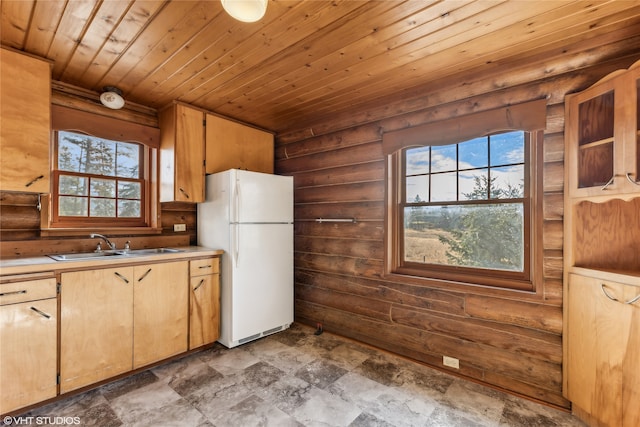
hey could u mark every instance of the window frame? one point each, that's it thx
(445, 275)
(58, 220)
(88, 123)
(501, 278)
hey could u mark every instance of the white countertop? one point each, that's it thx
(38, 264)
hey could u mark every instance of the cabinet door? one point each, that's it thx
(96, 326)
(181, 154)
(602, 365)
(591, 140)
(204, 314)
(631, 362)
(28, 356)
(25, 131)
(603, 137)
(160, 311)
(232, 145)
(631, 167)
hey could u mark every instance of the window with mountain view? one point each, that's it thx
(98, 181)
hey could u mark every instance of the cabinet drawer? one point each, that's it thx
(12, 293)
(200, 267)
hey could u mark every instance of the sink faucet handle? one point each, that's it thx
(112, 245)
(98, 247)
(127, 245)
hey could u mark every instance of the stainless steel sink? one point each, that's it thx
(111, 254)
(86, 255)
(153, 251)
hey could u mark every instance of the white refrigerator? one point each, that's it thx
(250, 216)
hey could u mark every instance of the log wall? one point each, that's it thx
(20, 234)
(507, 339)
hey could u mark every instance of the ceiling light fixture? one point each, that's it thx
(112, 98)
(245, 10)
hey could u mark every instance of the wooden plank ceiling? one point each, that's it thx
(305, 60)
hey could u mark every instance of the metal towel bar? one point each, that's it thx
(321, 220)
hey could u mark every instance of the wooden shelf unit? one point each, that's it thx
(602, 251)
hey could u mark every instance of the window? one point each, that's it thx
(98, 181)
(461, 210)
(104, 173)
(464, 204)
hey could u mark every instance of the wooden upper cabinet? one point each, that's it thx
(181, 154)
(232, 145)
(603, 138)
(25, 111)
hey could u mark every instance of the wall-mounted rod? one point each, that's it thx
(321, 220)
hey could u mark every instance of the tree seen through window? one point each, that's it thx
(98, 178)
(465, 203)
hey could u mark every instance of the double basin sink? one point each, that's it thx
(110, 254)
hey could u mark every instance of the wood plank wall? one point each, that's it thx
(20, 229)
(506, 339)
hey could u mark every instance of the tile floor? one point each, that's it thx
(296, 378)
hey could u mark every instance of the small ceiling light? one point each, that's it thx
(112, 98)
(245, 10)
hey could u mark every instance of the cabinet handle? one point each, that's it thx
(34, 180)
(631, 179)
(606, 294)
(198, 285)
(121, 277)
(205, 266)
(608, 183)
(24, 291)
(144, 275)
(184, 192)
(41, 313)
(612, 298)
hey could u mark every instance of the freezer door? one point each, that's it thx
(262, 287)
(262, 198)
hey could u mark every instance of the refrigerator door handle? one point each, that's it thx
(236, 245)
(236, 203)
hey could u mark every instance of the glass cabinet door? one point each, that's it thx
(637, 168)
(596, 123)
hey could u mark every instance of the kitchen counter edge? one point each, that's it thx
(43, 263)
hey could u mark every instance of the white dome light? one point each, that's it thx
(245, 10)
(112, 98)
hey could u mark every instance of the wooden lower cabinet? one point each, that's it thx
(96, 326)
(204, 302)
(114, 320)
(603, 351)
(28, 342)
(160, 316)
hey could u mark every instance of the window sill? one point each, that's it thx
(116, 231)
(523, 289)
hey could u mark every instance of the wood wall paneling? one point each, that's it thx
(507, 339)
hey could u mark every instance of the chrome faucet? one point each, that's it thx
(112, 245)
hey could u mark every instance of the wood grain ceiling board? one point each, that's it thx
(523, 43)
(307, 61)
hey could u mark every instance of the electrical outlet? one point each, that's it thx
(451, 362)
(179, 227)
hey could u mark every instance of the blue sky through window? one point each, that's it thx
(447, 173)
